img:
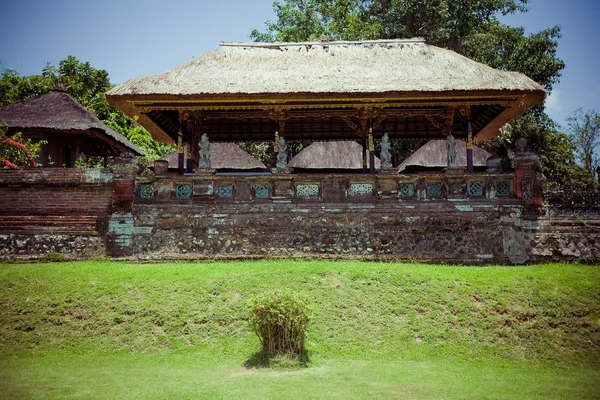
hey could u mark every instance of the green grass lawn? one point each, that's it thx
(118, 330)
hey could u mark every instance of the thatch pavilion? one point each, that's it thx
(68, 127)
(327, 91)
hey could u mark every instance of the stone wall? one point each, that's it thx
(428, 231)
(454, 218)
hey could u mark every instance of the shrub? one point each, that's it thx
(280, 321)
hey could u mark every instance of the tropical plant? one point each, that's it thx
(280, 321)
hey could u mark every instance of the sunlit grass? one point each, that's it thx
(88, 329)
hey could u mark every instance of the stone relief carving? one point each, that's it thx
(281, 154)
(385, 155)
(451, 146)
(204, 156)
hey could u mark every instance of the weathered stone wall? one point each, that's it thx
(427, 231)
(564, 235)
(438, 218)
(54, 210)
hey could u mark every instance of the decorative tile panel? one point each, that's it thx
(407, 189)
(476, 189)
(225, 192)
(261, 192)
(503, 188)
(183, 190)
(434, 189)
(307, 190)
(360, 189)
(147, 190)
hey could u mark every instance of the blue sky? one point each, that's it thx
(131, 38)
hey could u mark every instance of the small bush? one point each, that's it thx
(280, 321)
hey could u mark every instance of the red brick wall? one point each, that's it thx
(54, 210)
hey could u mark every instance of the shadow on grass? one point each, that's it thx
(261, 359)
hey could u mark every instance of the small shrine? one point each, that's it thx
(69, 128)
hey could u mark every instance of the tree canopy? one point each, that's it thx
(584, 129)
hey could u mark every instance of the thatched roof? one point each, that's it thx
(378, 66)
(58, 111)
(223, 156)
(406, 72)
(434, 154)
(331, 155)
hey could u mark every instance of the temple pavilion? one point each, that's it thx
(326, 91)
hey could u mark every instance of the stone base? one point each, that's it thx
(281, 171)
(388, 171)
(202, 171)
(454, 170)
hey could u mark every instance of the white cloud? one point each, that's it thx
(553, 103)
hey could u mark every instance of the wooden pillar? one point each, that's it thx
(371, 152)
(469, 146)
(180, 151)
(364, 155)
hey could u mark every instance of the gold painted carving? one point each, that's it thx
(465, 111)
(443, 121)
(146, 106)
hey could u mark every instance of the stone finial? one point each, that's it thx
(385, 155)
(281, 154)
(494, 164)
(451, 147)
(521, 145)
(204, 154)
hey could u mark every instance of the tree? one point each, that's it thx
(88, 86)
(555, 149)
(584, 128)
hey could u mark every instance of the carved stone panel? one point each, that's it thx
(307, 190)
(147, 191)
(360, 189)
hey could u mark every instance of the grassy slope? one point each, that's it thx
(395, 330)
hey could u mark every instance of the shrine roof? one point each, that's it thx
(57, 111)
(434, 154)
(223, 156)
(331, 155)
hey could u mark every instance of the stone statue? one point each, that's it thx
(204, 156)
(281, 154)
(385, 155)
(451, 146)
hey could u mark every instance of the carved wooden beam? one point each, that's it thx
(443, 121)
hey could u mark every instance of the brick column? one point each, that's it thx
(120, 234)
(527, 183)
